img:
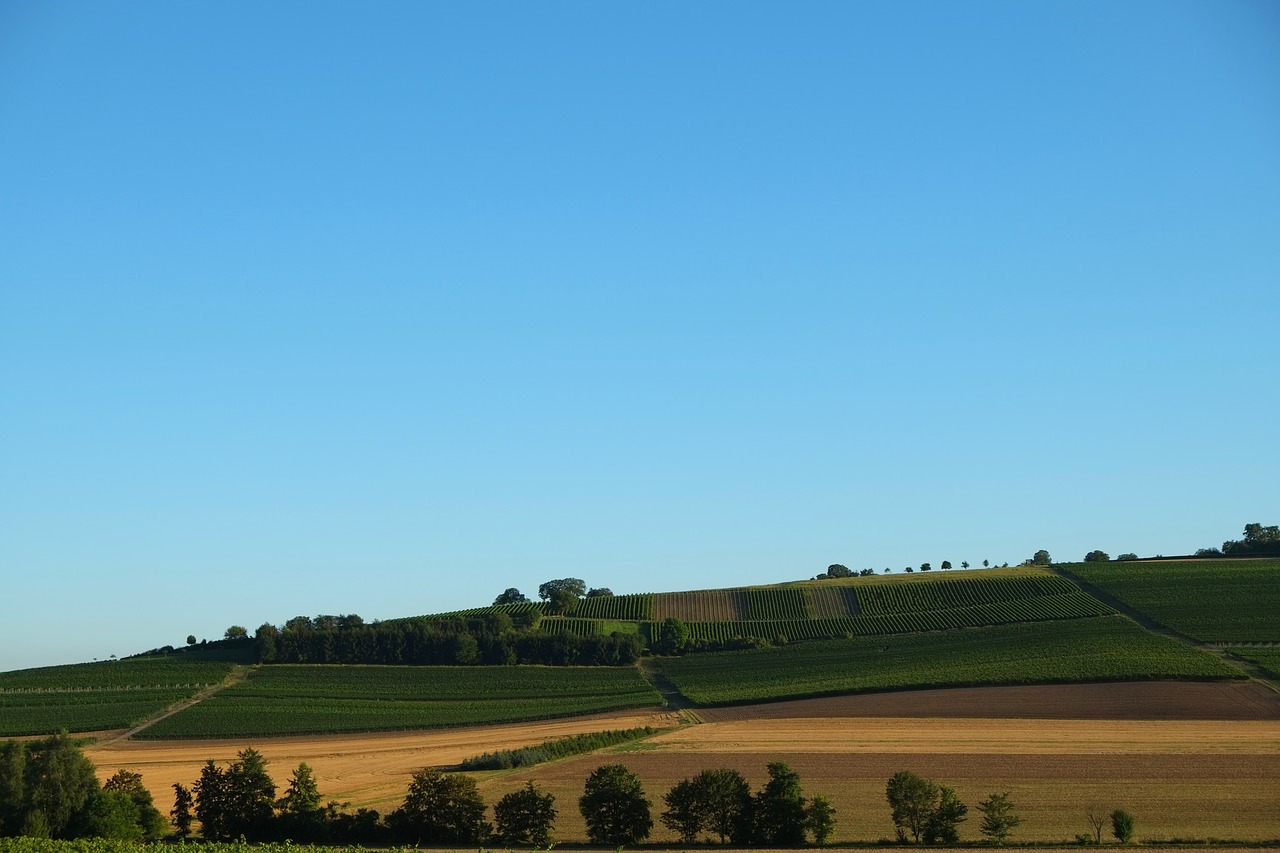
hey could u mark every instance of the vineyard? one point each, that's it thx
(287, 699)
(1101, 649)
(98, 696)
(1268, 659)
(1227, 601)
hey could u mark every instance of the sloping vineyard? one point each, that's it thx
(831, 602)
(636, 608)
(707, 605)
(953, 592)
(771, 603)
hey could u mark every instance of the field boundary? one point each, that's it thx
(238, 673)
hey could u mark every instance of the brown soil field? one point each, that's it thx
(1135, 700)
(1183, 777)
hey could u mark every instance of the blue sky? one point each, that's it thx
(384, 308)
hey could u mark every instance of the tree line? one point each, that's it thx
(489, 638)
(49, 789)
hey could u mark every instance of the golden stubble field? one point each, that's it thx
(1156, 750)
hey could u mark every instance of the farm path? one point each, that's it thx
(671, 694)
(238, 674)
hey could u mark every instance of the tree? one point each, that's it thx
(715, 801)
(998, 818)
(820, 819)
(112, 814)
(13, 764)
(1257, 541)
(212, 797)
(673, 637)
(599, 592)
(986, 564)
(683, 814)
(151, 824)
(302, 817)
(191, 639)
(60, 787)
(1122, 826)
(924, 567)
(911, 800)
(943, 826)
(441, 808)
(835, 570)
(251, 796)
(1041, 558)
(946, 565)
(1127, 557)
(1097, 820)
(1097, 557)
(510, 596)
(525, 816)
(964, 564)
(779, 808)
(614, 806)
(266, 636)
(181, 814)
(563, 594)
(236, 632)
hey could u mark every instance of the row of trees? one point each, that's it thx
(489, 638)
(447, 808)
(49, 789)
(836, 570)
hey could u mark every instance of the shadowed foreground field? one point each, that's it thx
(1183, 778)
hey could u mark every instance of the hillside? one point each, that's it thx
(811, 638)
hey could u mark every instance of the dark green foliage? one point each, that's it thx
(836, 570)
(614, 806)
(1097, 557)
(820, 819)
(302, 818)
(1129, 556)
(779, 808)
(562, 595)
(673, 637)
(525, 816)
(150, 822)
(1258, 541)
(943, 826)
(1211, 601)
(506, 759)
(998, 817)
(441, 808)
(48, 789)
(1122, 826)
(715, 801)
(181, 814)
(911, 802)
(510, 596)
(1041, 558)
(237, 801)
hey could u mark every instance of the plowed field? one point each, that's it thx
(1187, 761)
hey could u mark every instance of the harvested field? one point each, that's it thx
(1189, 777)
(1132, 700)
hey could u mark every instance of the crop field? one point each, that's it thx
(945, 593)
(832, 602)
(291, 700)
(706, 605)
(637, 608)
(1224, 601)
(1100, 649)
(773, 603)
(98, 696)
(1267, 658)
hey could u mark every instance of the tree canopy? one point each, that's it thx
(614, 806)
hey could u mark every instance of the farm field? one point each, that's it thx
(1267, 658)
(94, 696)
(1100, 649)
(293, 699)
(1188, 778)
(1214, 601)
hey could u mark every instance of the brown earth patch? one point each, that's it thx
(1148, 700)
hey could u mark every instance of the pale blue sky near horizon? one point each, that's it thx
(384, 308)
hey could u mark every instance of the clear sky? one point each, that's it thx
(382, 308)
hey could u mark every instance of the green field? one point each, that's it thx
(291, 699)
(98, 696)
(1267, 658)
(1214, 601)
(1101, 649)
